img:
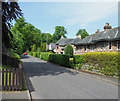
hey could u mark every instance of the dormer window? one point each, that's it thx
(110, 45)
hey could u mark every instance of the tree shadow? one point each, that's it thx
(42, 68)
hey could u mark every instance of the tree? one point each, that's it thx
(17, 43)
(10, 11)
(59, 31)
(31, 35)
(83, 33)
(69, 50)
(43, 47)
(34, 48)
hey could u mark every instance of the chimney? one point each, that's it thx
(98, 30)
(62, 36)
(79, 36)
(107, 27)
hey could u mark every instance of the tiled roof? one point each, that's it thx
(112, 34)
(64, 41)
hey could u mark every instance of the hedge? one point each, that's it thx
(45, 56)
(35, 54)
(60, 59)
(103, 62)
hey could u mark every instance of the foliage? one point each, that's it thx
(60, 59)
(59, 31)
(17, 43)
(14, 55)
(69, 50)
(34, 48)
(10, 11)
(45, 56)
(103, 62)
(83, 33)
(43, 47)
(27, 33)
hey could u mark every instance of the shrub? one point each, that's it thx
(107, 63)
(45, 56)
(34, 48)
(14, 55)
(69, 50)
(34, 54)
(60, 59)
(38, 54)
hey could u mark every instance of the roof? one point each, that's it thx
(64, 41)
(53, 45)
(112, 34)
(76, 40)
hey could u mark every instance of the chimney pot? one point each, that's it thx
(107, 27)
(79, 36)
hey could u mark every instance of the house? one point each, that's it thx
(61, 44)
(51, 46)
(104, 41)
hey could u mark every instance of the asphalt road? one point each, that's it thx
(49, 81)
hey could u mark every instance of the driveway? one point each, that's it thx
(49, 81)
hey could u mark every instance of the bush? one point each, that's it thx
(14, 55)
(34, 54)
(60, 59)
(69, 50)
(45, 56)
(34, 48)
(38, 54)
(106, 63)
(78, 59)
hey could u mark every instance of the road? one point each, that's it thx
(49, 81)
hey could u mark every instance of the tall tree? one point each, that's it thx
(59, 31)
(10, 11)
(83, 33)
(31, 35)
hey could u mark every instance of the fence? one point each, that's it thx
(11, 79)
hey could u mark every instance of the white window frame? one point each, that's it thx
(111, 45)
(117, 45)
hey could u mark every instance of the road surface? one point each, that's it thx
(49, 81)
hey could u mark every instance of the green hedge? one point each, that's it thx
(35, 54)
(60, 59)
(45, 56)
(78, 59)
(103, 62)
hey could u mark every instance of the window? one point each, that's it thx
(110, 45)
(85, 48)
(101, 47)
(118, 45)
(57, 47)
(104, 45)
(61, 52)
(98, 47)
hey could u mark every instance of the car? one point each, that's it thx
(25, 53)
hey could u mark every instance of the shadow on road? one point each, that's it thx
(24, 56)
(36, 67)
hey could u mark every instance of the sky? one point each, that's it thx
(72, 15)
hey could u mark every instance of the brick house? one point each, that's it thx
(104, 41)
